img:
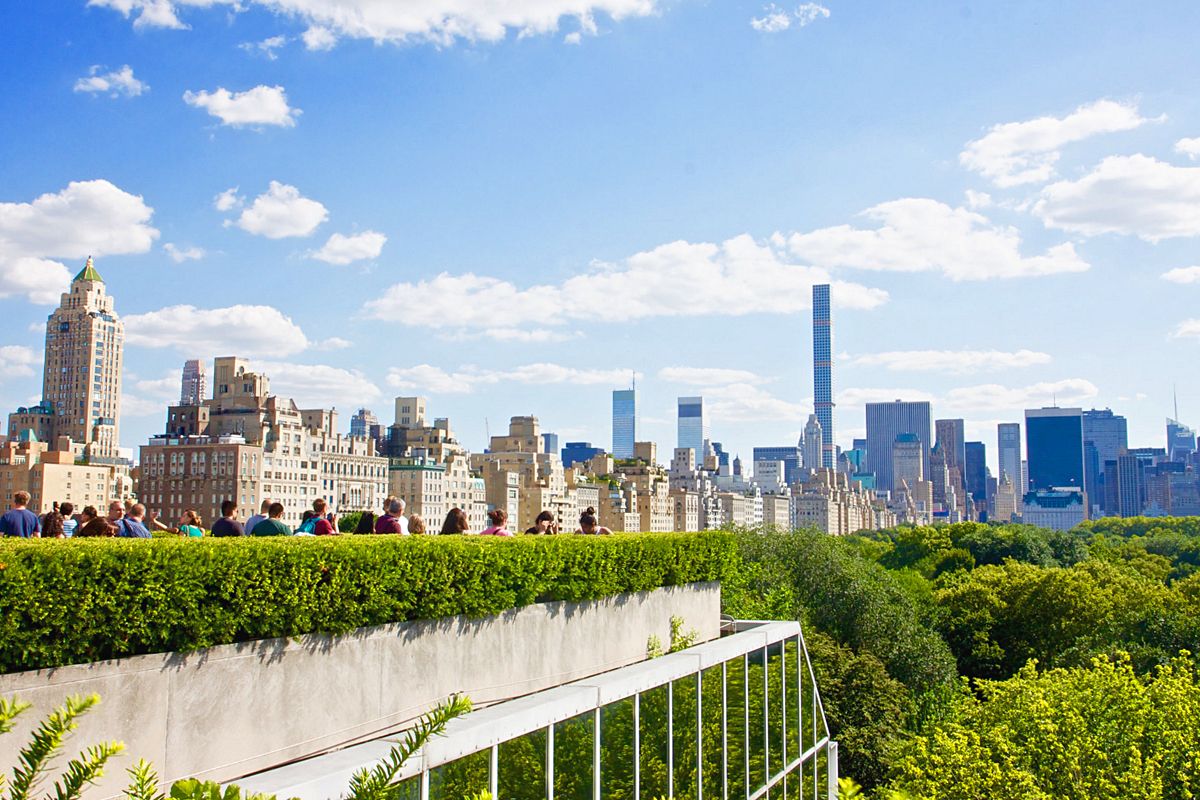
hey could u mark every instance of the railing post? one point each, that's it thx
(832, 768)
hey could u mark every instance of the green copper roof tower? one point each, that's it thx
(88, 273)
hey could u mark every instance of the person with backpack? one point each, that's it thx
(317, 523)
(228, 525)
(131, 526)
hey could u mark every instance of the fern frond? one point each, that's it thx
(85, 769)
(376, 784)
(44, 744)
(143, 782)
(9, 711)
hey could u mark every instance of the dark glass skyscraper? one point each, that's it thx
(1054, 447)
(624, 415)
(823, 372)
(1008, 443)
(975, 470)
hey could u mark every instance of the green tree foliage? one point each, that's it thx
(1099, 731)
(116, 598)
(996, 618)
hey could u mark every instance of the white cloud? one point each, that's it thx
(1135, 195)
(737, 277)
(1182, 275)
(228, 200)
(333, 343)
(116, 83)
(574, 37)
(435, 380)
(86, 218)
(318, 385)
(181, 254)
(342, 250)
(281, 211)
(1188, 329)
(776, 19)
(976, 200)
(318, 38)
(17, 361)
(744, 402)
(708, 376)
(262, 105)
(244, 330)
(148, 397)
(1189, 148)
(1016, 153)
(857, 397)
(773, 20)
(440, 21)
(266, 47)
(810, 12)
(952, 361)
(992, 396)
(918, 235)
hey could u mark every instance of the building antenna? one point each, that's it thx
(487, 430)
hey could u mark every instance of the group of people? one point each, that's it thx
(63, 522)
(131, 521)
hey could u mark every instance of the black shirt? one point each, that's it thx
(228, 527)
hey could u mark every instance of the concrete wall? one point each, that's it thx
(232, 710)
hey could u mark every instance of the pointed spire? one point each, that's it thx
(89, 273)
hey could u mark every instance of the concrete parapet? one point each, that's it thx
(232, 710)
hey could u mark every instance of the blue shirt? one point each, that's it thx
(132, 529)
(19, 522)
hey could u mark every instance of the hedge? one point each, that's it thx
(76, 601)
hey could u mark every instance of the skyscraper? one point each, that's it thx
(624, 431)
(1054, 448)
(823, 371)
(1008, 450)
(975, 470)
(85, 342)
(693, 430)
(951, 437)
(908, 460)
(885, 422)
(1104, 438)
(193, 389)
(792, 458)
(813, 444)
(362, 423)
(1181, 440)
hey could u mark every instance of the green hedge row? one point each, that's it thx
(75, 601)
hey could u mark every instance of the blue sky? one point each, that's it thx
(513, 210)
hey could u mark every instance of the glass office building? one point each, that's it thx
(693, 429)
(624, 425)
(823, 371)
(1054, 448)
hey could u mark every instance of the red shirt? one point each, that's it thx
(324, 528)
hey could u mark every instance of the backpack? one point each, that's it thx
(308, 526)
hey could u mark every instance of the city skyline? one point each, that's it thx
(354, 268)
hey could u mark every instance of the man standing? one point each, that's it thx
(116, 512)
(263, 512)
(20, 521)
(131, 525)
(228, 525)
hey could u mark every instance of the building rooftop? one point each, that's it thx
(89, 273)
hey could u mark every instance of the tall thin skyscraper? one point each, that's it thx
(975, 470)
(1008, 450)
(693, 430)
(85, 342)
(823, 372)
(1054, 448)
(193, 389)
(624, 422)
(887, 421)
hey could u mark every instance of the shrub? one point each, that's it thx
(73, 601)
